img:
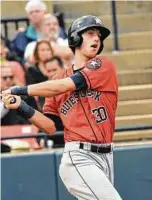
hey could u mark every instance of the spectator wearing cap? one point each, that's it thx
(35, 12)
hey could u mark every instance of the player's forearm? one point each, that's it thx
(35, 117)
(46, 89)
(51, 88)
(43, 123)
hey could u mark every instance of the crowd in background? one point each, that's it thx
(36, 54)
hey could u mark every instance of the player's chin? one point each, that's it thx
(92, 54)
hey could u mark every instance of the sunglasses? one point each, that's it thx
(6, 77)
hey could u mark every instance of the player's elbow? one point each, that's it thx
(66, 86)
(50, 130)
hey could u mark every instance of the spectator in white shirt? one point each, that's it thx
(60, 47)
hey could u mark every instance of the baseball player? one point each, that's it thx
(85, 99)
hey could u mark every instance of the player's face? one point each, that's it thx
(91, 42)
(53, 69)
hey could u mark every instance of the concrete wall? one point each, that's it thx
(35, 175)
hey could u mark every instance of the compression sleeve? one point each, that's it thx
(79, 81)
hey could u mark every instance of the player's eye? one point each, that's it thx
(90, 32)
(99, 35)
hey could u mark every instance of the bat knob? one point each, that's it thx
(13, 100)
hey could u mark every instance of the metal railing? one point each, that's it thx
(13, 20)
(60, 133)
(115, 25)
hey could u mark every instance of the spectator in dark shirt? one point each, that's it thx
(11, 117)
(37, 73)
(35, 12)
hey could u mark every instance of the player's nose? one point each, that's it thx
(96, 37)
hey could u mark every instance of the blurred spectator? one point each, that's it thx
(35, 10)
(11, 117)
(62, 32)
(3, 51)
(18, 71)
(7, 77)
(60, 46)
(50, 29)
(10, 55)
(54, 67)
(37, 72)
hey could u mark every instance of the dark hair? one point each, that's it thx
(58, 59)
(36, 55)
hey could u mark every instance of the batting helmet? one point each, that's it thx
(82, 24)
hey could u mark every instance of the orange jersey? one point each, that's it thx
(88, 116)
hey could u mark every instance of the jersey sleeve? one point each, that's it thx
(100, 74)
(50, 106)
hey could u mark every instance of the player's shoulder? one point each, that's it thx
(105, 60)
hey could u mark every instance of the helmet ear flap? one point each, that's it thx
(77, 40)
(101, 48)
(74, 39)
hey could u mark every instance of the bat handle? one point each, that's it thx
(13, 100)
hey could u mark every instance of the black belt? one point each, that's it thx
(97, 148)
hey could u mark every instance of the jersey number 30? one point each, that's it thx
(100, 114)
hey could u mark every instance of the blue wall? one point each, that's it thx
(28, 177)
(133, 173)
(34, 176)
